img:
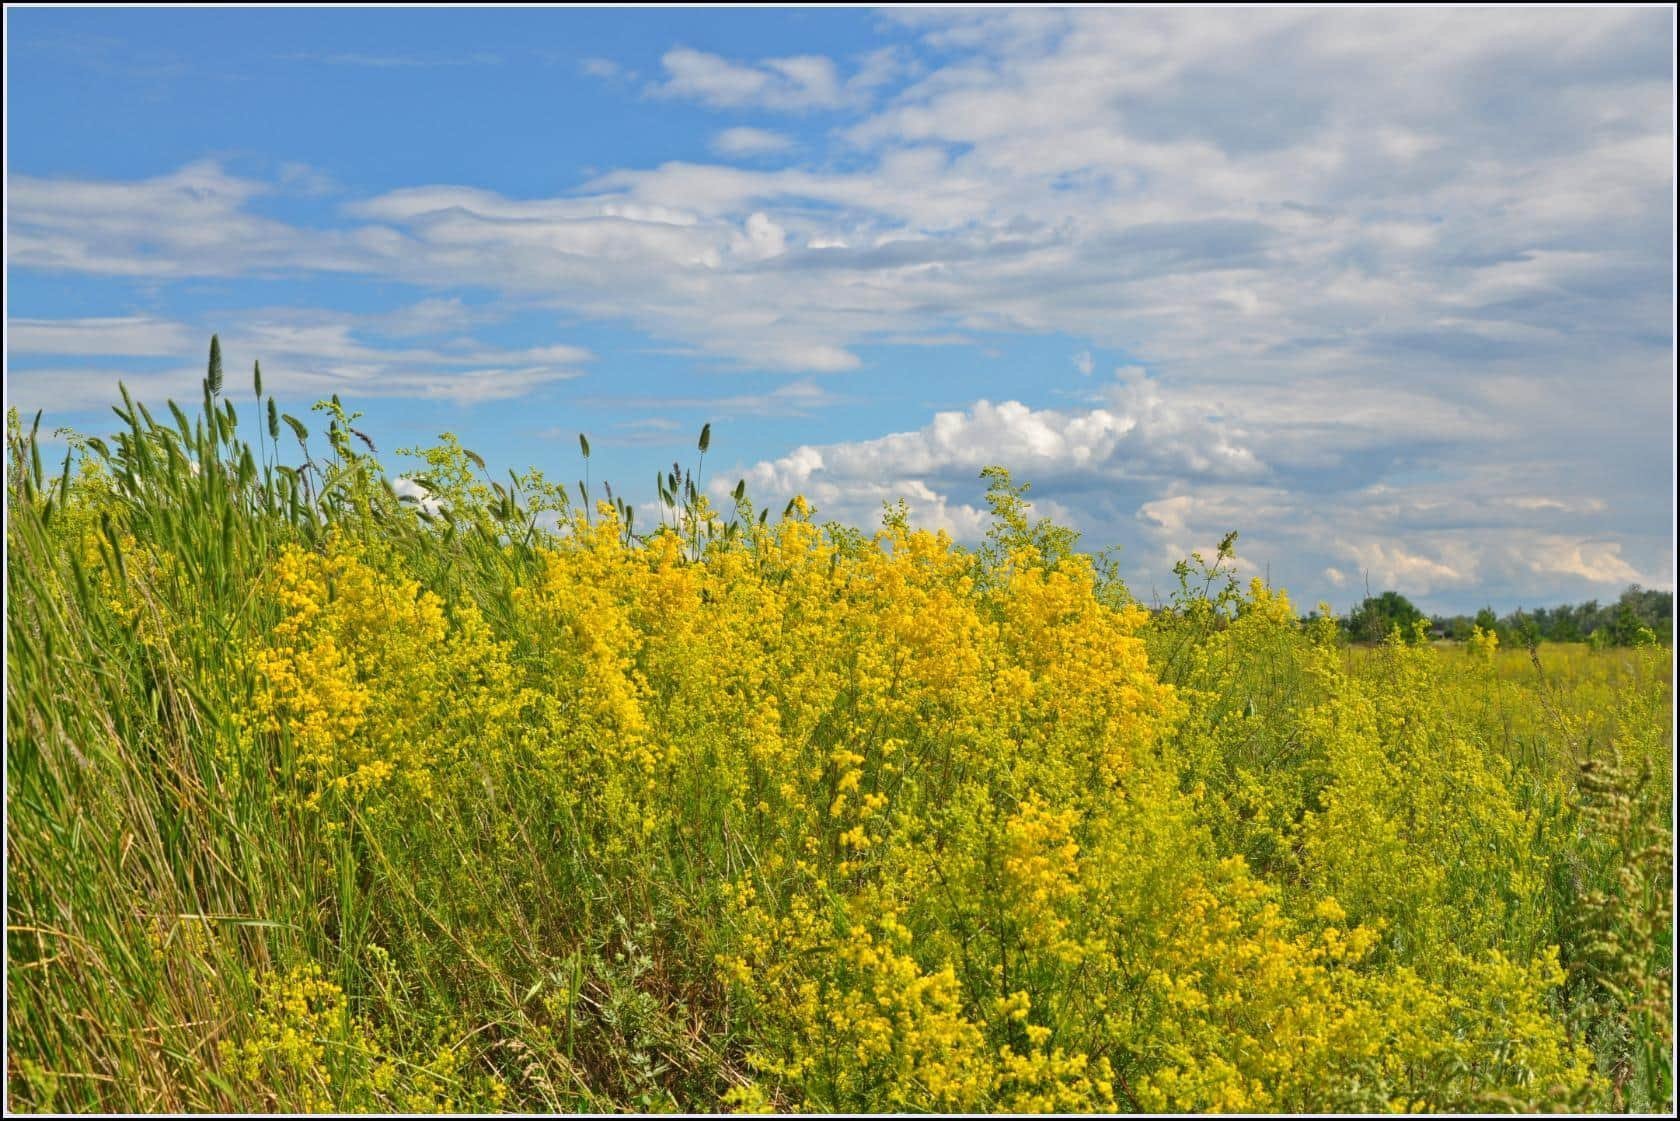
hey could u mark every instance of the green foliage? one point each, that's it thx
(1378, 616)
(1013, 531)
(1640, 616)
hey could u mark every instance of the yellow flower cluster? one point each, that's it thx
(308, 1052)
(975, 853)
(1482, 645)
(367, 682)
(1263, 1015)
(1041, 876)
(860, 1024)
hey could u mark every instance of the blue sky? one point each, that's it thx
(1389, 292)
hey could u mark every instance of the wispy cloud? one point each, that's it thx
(796, 84)
(135, 335)
(194, 222)
(109, 55)
(432, 317)
(386, 60)
(304, 354)
(310, 182)
(800, 398)
(644, 432)
(606, 70)
(745, 141)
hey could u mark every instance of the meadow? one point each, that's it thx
(321, 798)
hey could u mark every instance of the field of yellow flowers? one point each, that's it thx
(320, 799)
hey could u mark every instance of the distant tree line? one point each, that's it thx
(1640, 615)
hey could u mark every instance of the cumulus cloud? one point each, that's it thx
(1392, 565)
(1140, 435)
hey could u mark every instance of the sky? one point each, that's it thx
(1390, 292)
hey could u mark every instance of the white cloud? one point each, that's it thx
(1084, 363)
(1140, 435)
(1598, 562)
(1392, 565)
